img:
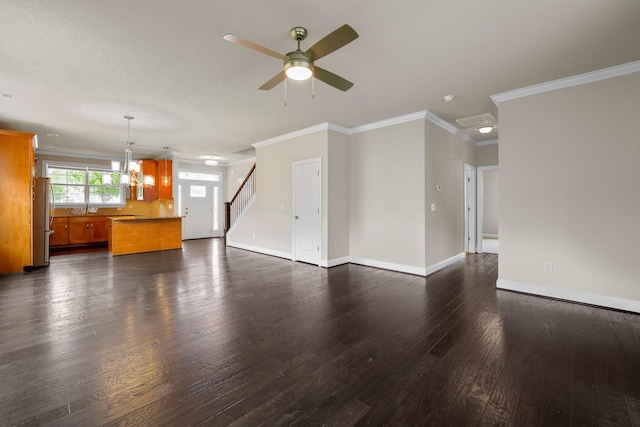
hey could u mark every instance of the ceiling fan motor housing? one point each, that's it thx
(297, 59)
(298, 33)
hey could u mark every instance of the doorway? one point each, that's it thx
(469, 208)
(307, 211)
(488, 209)
(200, 206)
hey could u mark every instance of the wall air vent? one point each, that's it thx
(482, 119)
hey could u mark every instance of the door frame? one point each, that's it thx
(183, 185)
(470, 215)
(480, 203)
(318, 161)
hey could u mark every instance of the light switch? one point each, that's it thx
(433, 207)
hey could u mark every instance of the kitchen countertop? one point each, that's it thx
(140, 218)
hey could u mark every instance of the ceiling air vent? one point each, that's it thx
(482, 119)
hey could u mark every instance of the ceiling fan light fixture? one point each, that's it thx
(298, 67)
(485, 129)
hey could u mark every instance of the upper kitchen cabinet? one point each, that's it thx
(164, 179)
(143, 186)
(16, 186)
(150, 182)
(153, 182)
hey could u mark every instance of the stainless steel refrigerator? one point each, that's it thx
(42, 220)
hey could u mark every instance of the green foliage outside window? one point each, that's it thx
(84, 186)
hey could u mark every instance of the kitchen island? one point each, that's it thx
(136, 234)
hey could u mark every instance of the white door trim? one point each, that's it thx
(469, 208)
(480, 203)
(318, 161)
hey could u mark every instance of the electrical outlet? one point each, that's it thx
(548, 266)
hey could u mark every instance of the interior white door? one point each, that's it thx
(470, 208)
(307, 212)
(198, 210)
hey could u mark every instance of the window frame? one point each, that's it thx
(87, 168)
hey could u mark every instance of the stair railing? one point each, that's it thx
(234, 208)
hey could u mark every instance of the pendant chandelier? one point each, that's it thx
(166, 178)
(130, 169)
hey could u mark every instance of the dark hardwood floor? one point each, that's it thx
(228, 337)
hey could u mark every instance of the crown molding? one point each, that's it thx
(450, 128)
(338, 128)
(295, 134)
(420, 115)
(388, 122)
(486, 142)
(580, 79)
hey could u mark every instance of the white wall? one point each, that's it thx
(234, 172)
(569, 193)
(378, 184)
(445, 156)
(337, 220)
(490, 214)
(267, 225)
(487, 155)
(387, 196)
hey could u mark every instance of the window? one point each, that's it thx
(198, 191)
(197, 176)
(90, 185)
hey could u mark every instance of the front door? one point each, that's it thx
(200, 209)
(307, 211)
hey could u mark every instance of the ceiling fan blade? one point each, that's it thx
(275, 81)
(331, 42)
(251, 45)
(332, 79)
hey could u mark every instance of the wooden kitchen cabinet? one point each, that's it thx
(161, 189)
(88, 229)
(16, 186)
(164, 190)
(149, 191)
(60, 236)
(99, 229)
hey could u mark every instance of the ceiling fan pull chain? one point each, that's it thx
(313, 87)
(285, 91)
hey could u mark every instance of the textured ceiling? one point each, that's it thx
(75, 67)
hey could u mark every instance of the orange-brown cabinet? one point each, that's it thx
(161, 189)
(60, 236)
(149, 191)
(164, 179)
(88, 229)
(16, 187)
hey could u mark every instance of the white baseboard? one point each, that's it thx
(490, 236)
(418, 271)
(259, 250)
(442, 264)
(387, 265)
(575, 296)
(334, 262)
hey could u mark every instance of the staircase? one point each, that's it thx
(240, 201)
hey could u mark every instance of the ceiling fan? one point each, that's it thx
(299, 65)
